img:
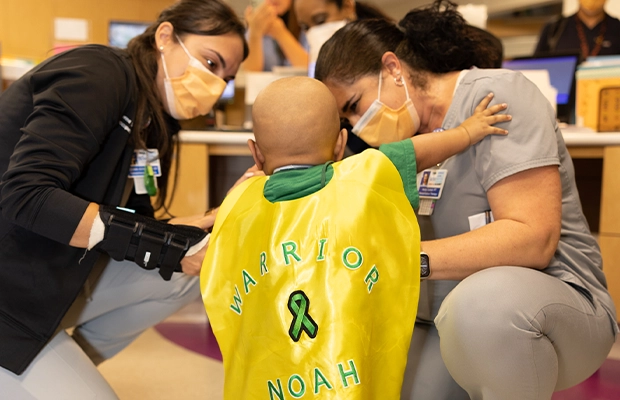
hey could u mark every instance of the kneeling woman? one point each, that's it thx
(516, 306)
(69, 132)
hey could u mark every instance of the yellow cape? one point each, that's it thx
(316, 297)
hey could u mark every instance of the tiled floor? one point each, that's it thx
(192, 368)
(155, 368)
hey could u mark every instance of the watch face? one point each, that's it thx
(425, 268)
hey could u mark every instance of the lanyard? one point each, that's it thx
(583, 41)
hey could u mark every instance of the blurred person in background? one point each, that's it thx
(589, 32)
(274, 36)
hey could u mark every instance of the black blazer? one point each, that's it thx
(61, 146)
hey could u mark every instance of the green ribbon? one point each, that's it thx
(299, 304)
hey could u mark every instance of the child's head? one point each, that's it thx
(296, 122)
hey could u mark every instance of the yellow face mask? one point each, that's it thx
(195, 92)
(381, 124)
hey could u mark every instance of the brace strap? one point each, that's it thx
(147, 242)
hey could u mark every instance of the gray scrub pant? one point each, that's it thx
(125, 300)
(504, 333)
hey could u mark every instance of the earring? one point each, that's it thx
(161, 48)
(399, 81)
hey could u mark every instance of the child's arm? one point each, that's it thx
(433, 148)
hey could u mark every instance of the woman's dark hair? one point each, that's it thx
(356, 49)
(490, 52)
(291, 23)
(431, 39)
(366, 11)
(362, 10)
(290, 20)
(199, 17)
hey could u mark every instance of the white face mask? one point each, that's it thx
(381, 124)
(319, 34)
(195, 92)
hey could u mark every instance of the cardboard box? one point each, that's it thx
(598, 98)
(609, 110)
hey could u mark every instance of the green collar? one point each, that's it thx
(292, 184)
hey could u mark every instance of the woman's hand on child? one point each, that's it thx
(192, 262)
(480, 124)
(250, 172)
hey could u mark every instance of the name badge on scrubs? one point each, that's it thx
(144, 169)
(430, 188)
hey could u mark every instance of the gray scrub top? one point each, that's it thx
(534, 140)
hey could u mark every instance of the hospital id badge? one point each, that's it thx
(144, 169)
(430, 188)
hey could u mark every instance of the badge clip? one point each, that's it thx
(149, 181)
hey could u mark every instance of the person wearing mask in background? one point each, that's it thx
(331, 15)
(71, 132)
(490, 52)
(274, 37)
(589, 32)
(516, 306)
(311, 13)
(322, 18)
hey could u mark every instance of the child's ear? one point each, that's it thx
(341, 145)
(259, 160)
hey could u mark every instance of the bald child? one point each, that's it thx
(296, 121)
(311, 279)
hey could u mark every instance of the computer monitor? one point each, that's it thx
(121, 32)
(311, 68)
(561, 70)
(229, 93)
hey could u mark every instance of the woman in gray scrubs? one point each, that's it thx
(516, 306)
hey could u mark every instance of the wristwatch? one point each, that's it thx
(425, 266)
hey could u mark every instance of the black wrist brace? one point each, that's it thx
(146, 241)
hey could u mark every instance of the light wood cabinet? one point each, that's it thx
(27, 26)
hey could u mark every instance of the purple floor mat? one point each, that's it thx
(195, 337)
(603, 385)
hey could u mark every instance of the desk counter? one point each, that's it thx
(580, 145)
(586, 139)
